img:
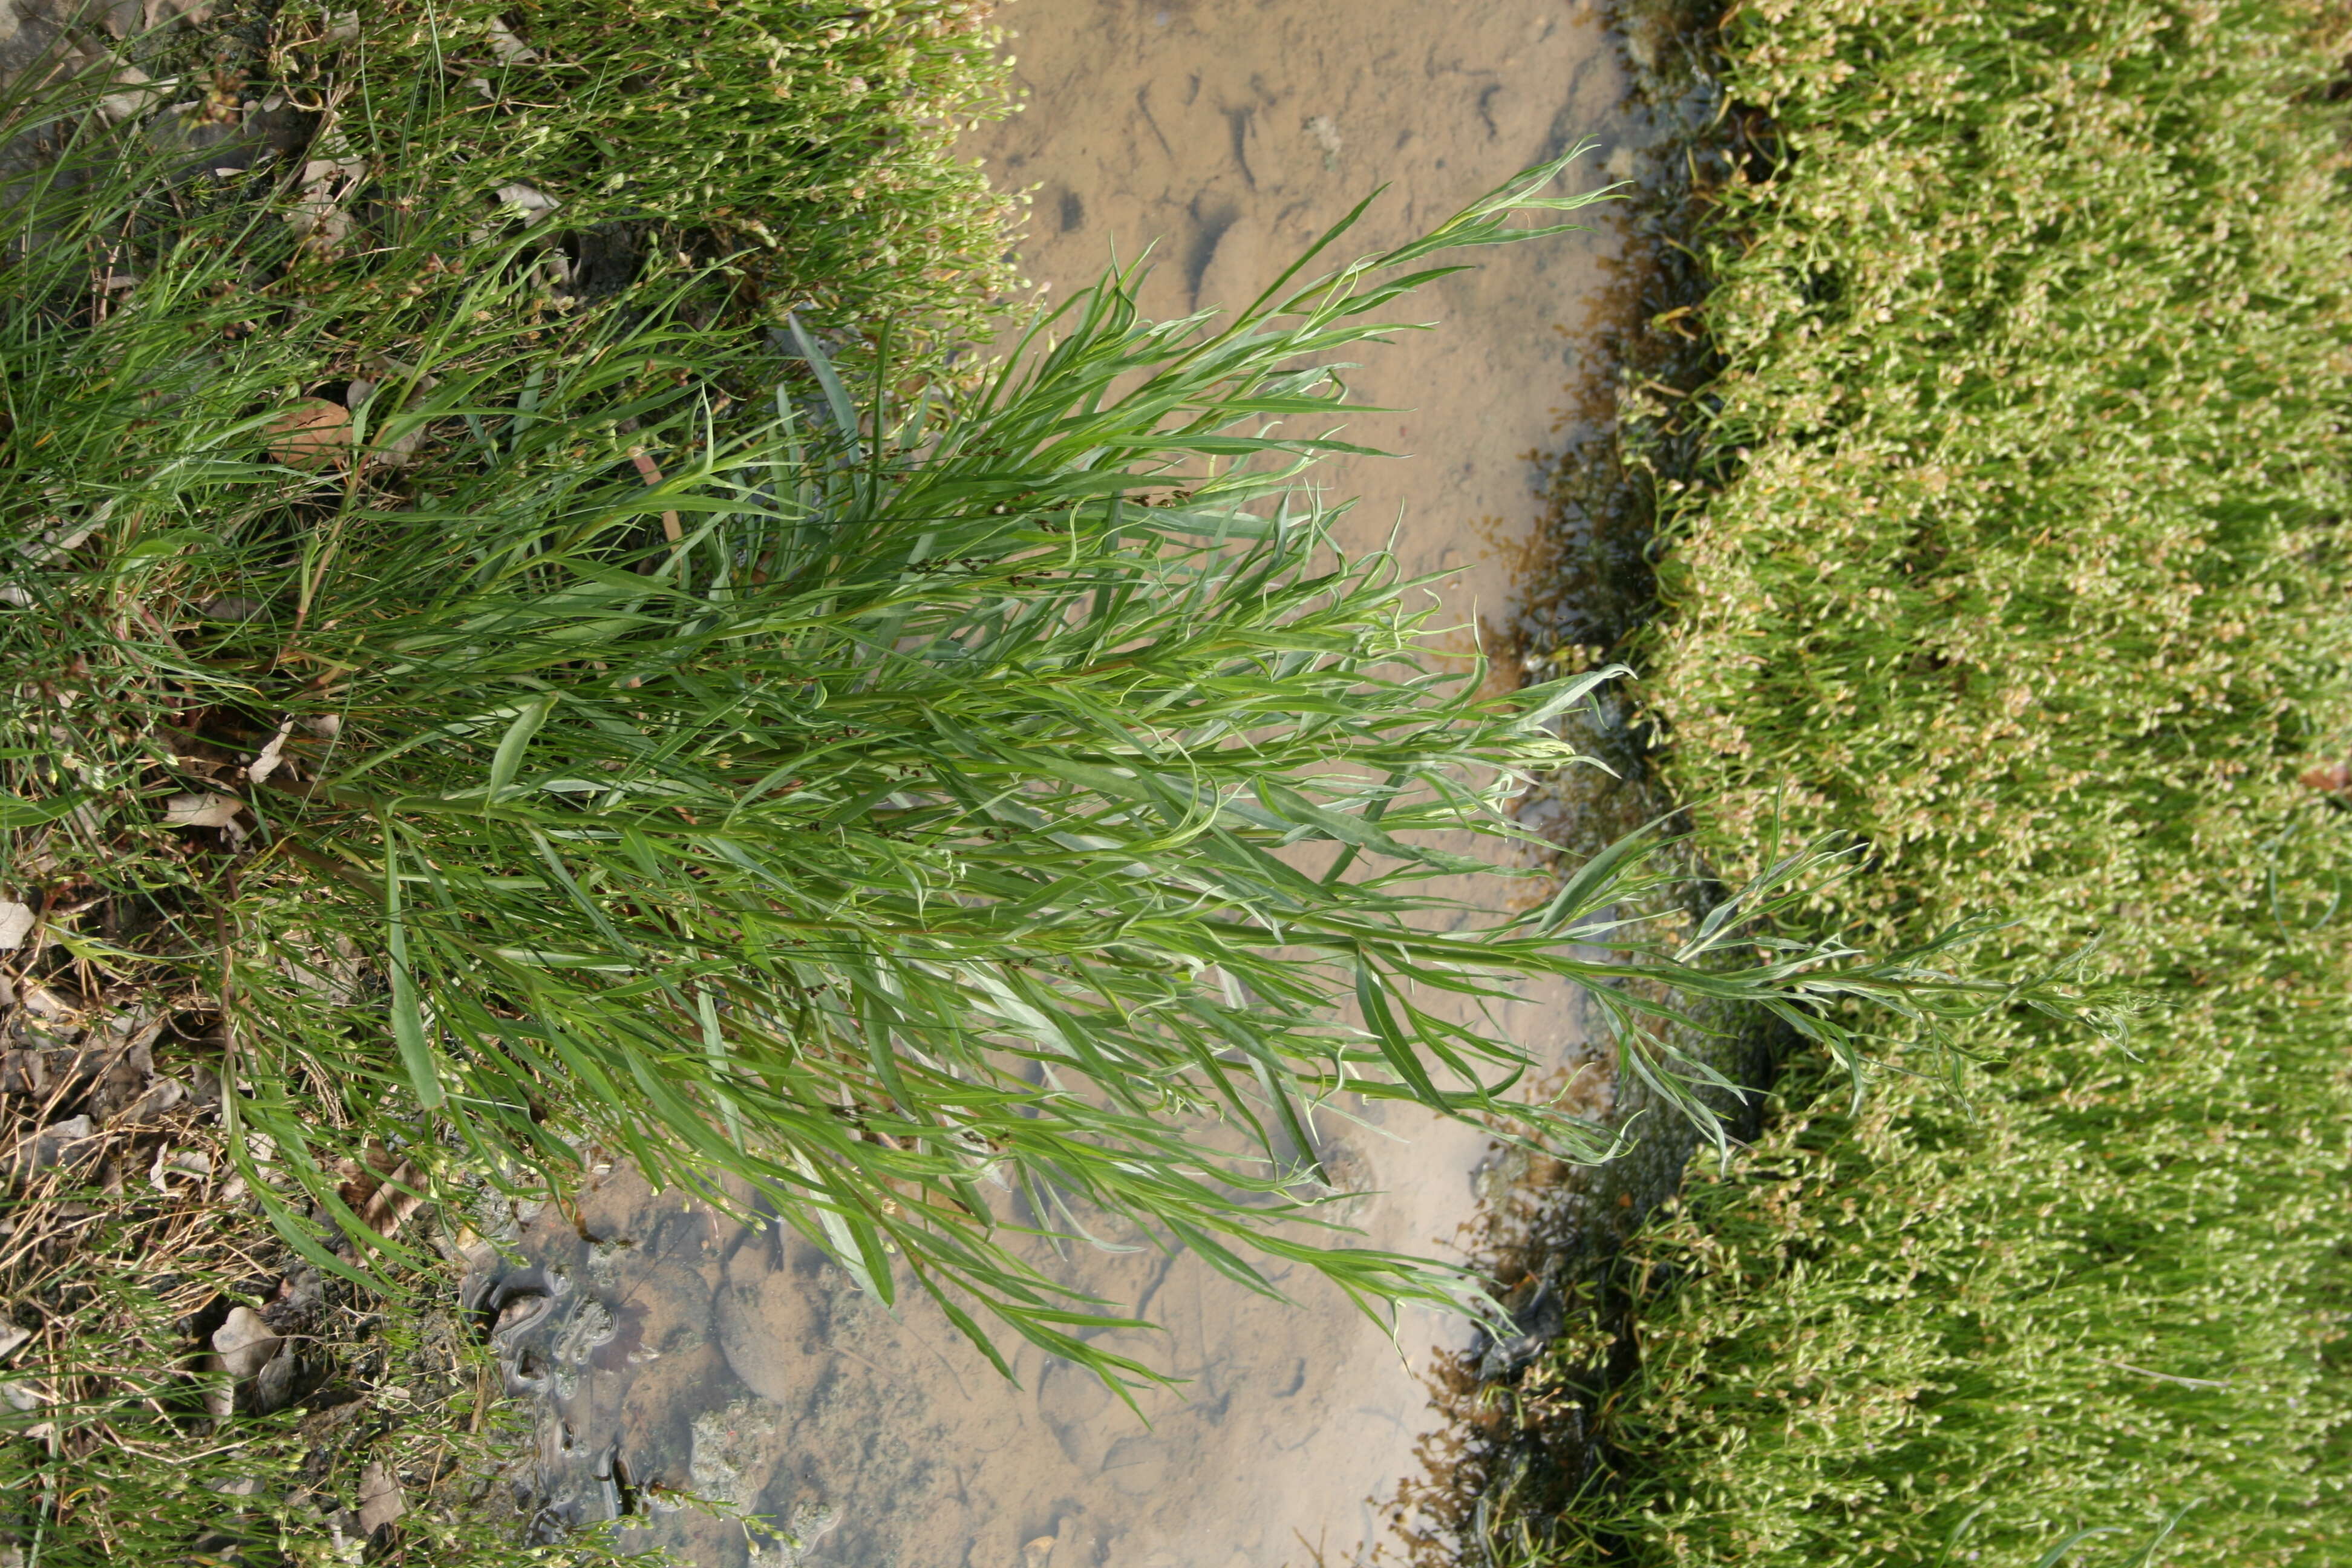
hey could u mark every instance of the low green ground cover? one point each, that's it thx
(2012, 545)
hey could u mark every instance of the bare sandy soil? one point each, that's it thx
(1226, 133)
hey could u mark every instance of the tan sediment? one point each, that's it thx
(1226, 133)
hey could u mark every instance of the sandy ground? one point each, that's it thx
(1226, 133)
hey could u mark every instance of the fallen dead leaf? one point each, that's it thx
(321, 174)
(201, 810)
(16, 925)
(65, 1143)
(162, 1096)
(269, 759)
(509, 49)
(530, 201)
(379, 1498)
(169, 1162)
(245, 1343)
(2332, 778)
(140, 93)
(313, 434)
(389, 1209)
(64, 537)
(24, 1395)
(43, 1002)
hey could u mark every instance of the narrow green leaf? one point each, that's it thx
(508, 758)
(407, 1015)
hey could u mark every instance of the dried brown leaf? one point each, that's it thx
(245, 1343)
(313, 434)
(379, 1498)
(2330, 778)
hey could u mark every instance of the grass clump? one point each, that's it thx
(261, 274)
(2009, 543)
